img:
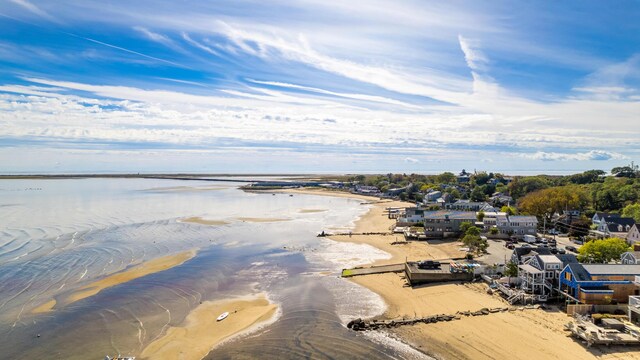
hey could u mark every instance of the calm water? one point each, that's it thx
(58, 235)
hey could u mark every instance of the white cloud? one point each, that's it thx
(34, 9)
(593, 155)
(411, 160)
(473, 56)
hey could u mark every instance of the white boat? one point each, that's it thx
(223, 316)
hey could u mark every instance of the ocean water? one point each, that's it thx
(59, 235)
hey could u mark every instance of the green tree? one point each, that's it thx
(586, 177)
(632, 211)
(464, 226)
(603, 251)
(509, 210)
(446, 178)
(480, 216)
(475, 243)
(629, 171)
(477, 194)
(521, 186)
(473, 231)
(494, 230)
(511, 269)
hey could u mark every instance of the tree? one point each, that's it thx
(629, 171)
(480, 216)
(464, 226)
(511, 269)
(481, 178)
(509, 210)
(475, 242)
(522, 186)
(586, 177)
(472, 230)
(494, 230)
(446, 178)
(548, 201)
(477, 194)
(632, 211)
(603, 251)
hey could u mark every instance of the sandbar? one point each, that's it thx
(135, 272)
(261, 220)
(46, 307)
(310, 211)
(200, 332)
(201, 221)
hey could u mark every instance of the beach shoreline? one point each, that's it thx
(505, 336)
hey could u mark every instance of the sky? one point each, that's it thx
(318, 86)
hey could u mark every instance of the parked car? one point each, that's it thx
(553, 232)
(553, 250)
(428, 264)
(562, 251)
(571, 248)
(510, 246)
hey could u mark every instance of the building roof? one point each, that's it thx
(605, 214)
(567, 259)
(579, 273)
(530, 269)
(611, 269)
(445, 214)
(635, 254)
(549, 258)
(524, 251)
(522, 218)
(619, 220)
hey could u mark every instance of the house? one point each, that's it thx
(463, 177)
(443, 223)
(367, 190)
(630, 258)
(467, 205)
(633, 236)
(599, 216)
(432, 196)
(517, 225)
(615, 226)
(500, 199)
(491, 218)
(411, 215)
(599, 283)
(521, 255)
(539, 273)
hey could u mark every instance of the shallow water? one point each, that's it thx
(58, 235)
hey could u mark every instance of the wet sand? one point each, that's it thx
(135, 272)
(46, 307)
(201, 221)
(261, 220)
(311, 211)
(512, 335)
(200, 332)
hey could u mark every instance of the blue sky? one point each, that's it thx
(315, 86)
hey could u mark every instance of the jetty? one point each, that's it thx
(375, 324)
(381, 269)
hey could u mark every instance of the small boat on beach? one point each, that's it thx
(120, 357)
(222, 316)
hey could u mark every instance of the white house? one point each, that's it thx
(633, 236)
(615, 225)
(631, 258)
(599, 216)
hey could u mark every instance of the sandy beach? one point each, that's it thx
(200, 332)
(527, 334)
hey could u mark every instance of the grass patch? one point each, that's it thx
(347, 272)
